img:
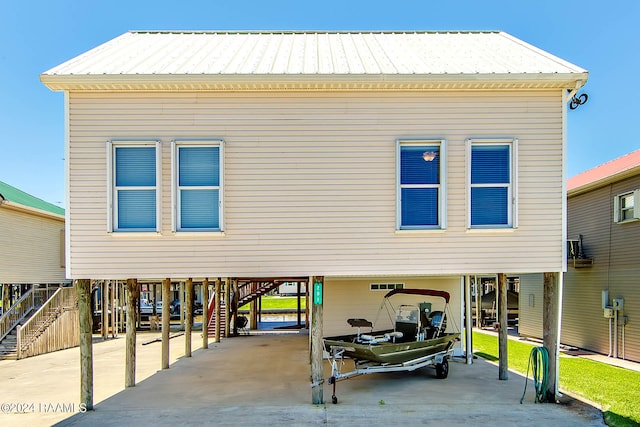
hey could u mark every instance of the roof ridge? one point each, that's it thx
(316, 32)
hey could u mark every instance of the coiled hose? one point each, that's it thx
(539, 362)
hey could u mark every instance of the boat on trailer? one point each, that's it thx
(418, 339)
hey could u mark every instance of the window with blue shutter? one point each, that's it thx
(491, 184)
(135, 188)
(198, 187)
(420, 185)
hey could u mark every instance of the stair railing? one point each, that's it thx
(16, 313)
(53, 327)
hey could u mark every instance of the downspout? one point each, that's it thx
(566, 97)
(67, 175)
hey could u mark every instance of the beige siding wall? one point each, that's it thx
(30, 251)
(530, 305)
(346, 298)
(310, 183)
(615, 249)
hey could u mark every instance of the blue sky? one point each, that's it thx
(603, 37)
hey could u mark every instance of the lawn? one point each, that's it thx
(278, 302)
(617, 390)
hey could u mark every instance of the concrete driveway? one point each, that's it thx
(264, 380)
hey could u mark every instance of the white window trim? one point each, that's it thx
(442, 192)
(617, 217)
(112, 210)
(512, 219)
(175, 194)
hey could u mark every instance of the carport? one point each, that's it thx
(262, 380)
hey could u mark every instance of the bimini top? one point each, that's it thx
(428, 292)
(192, 60)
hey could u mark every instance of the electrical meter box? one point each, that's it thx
(608, 313)
(618, 303)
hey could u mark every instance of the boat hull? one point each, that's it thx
(389, 352)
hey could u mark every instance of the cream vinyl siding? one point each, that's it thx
(309, 183)
(30, 251)
(530, 304)
(346, 298)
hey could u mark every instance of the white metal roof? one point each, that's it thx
(223, 57)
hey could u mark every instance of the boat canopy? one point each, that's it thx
(429, 292)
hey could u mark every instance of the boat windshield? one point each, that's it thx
(407, 314)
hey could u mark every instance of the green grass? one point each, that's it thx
(617, 390)
(278, 302)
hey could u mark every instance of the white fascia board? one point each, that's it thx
(267, 82)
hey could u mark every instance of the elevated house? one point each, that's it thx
(32, 259)
(601, 302)
(354, 162)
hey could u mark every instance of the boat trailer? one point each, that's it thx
(439, 361)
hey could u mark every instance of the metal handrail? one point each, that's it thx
(16, 313)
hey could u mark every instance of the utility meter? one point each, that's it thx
(618, 303)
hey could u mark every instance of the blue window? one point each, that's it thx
(491, 184)
(198, 187)
(135, 187)
(420, 184)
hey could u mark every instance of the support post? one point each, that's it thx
(298, 288)
(86, 342)
(205, 313)
(227, 307)
(166, 321)
(253, 315)
(550, 329)
(103, 310)
(317, 372)
(468, 321)
(189, 318)
(216, 337)
(130, 350)
(114, 309)
(503, 365)
(181, 299)
(235, 298)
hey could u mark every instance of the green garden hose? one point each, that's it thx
(539, 362)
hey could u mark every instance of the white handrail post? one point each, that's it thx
(19, 341)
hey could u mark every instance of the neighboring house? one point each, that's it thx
(368, 158)
(603, 213)
(32, 236)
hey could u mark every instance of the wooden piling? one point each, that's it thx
(166, 319)
(86, 342)
(503, 362)
(227, 307)
(205, 313)
(130, 345)
(188, 317)
(317, 371)
(216, 337)
(550, 329)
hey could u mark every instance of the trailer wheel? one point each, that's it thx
(442, 369)
(334, 399)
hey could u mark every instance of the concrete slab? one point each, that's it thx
(263, 380)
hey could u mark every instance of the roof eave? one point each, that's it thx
(28, 209)
(310, 82)
(604, 181)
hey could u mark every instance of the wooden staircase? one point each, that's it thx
(9, 347)
(248, 291)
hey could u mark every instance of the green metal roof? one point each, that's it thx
(12, 194)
